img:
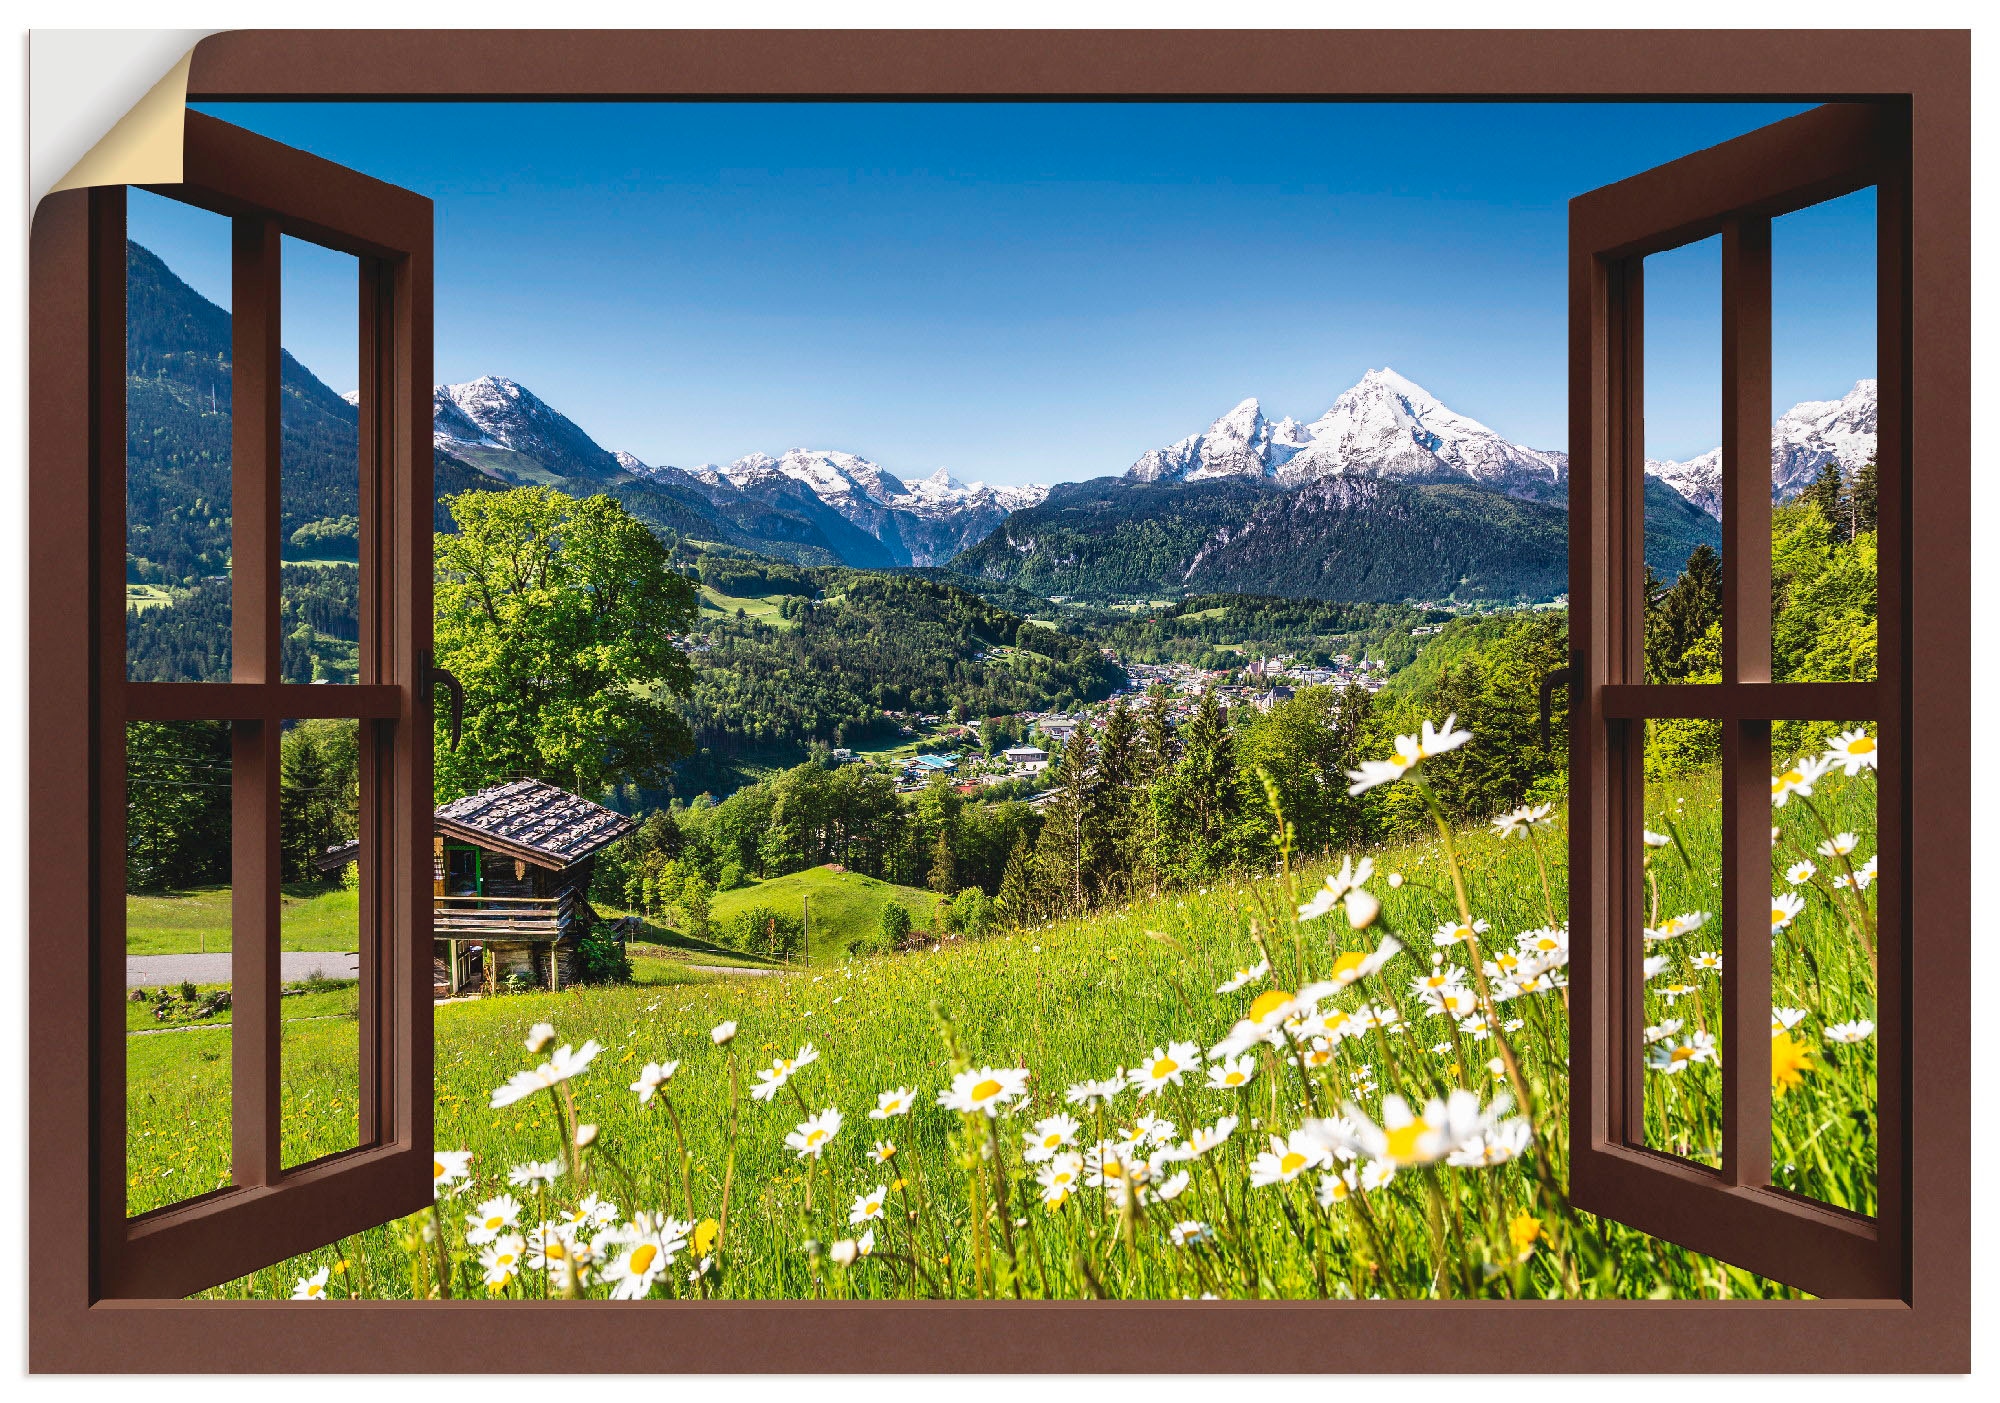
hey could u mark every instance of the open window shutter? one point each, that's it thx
(1733, 190)
(270, 1212)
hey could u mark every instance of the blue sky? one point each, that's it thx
(1030, 291)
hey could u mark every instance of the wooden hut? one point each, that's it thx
(510, 880)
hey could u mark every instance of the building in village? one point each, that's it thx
(510, 882)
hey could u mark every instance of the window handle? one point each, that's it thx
(429, 676)
(1559, 678)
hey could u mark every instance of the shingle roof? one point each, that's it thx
(548, 826)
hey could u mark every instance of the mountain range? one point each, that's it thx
(1388, 494)
(817, 505)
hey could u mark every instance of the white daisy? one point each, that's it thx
(311, 1288)
(523, 1176)
(1164, 1068)
(637, 1255)
(1287, 1159)
(1244, 977)
(1802, 871)
(448, 1167)
(1675, 1055)
(1783, 1020)
(652, 1077)
(500, 1259)
(1058, 1178)
(1457, 932)
(1785, 908)
(1236, 1072)
(722, 1032)
(1839, 845)
(814, 1134)
(895, 1102)
(1854, 751)
(1799, 780)
(1050, 1134)
(1510, 825)
(1858, 1030)
(868, 1207)
(984, 1089)
(566, 1063)
(539, 1037)
(491, 1218)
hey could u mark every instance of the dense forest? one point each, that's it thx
(850, 645)
(177, 442)
(1359, 539)
(188, 640)
(1203, 630)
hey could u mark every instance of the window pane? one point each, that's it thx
(320, 480)
(1683, 392)
(1681, 1043)
(1823, 574)
(1823, 964)
(177, 961)
(177, 448)
(320, 936)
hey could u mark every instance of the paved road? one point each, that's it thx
(150, 971)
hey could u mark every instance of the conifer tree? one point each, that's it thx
(1017, 886)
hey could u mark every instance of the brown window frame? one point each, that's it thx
(1923, 1324)
(269, 191)
(1733, 190)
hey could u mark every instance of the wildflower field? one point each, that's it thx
(1339, 1080)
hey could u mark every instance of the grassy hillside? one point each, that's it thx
(844, 905)
(1081, 999)
(185, 922)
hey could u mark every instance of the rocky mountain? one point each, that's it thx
(1344, 537)
(1384, 427)
(1804, 439)
(1389, 427)
(816, 505)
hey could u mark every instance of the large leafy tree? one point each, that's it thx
(559, 615)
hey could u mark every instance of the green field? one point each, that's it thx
(762, 608)
(147, 596)
(842, 905)
(1084, 998)
(186, 922)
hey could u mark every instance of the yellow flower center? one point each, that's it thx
(1291, 1163)
(1403, 1140)
(986, 1090)
(642, 1257)
(1164, 1068)
(1682, 1054)
(1352, 960)
(1234, 1079)
(439, 1169)
(495, 1221)
(1862, 745)
(813, 1137)
(1267, 1002)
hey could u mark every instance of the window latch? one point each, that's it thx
(1559, 678)
(429, 677)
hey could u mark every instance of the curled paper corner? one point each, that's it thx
(144, 146)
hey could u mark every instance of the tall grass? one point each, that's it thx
(962, 1212)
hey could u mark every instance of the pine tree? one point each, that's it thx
(1158, 743)
(1199, 801)
(1861, 500)
(1826, 493)
(1683, 615)
(944, 866)
(1017, 886)
(1111, 847)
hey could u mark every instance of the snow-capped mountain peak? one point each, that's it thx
(1383, 426)
(1804, 439)
(499, 425)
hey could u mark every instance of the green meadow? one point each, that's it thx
(195, 920)
(966, 1214)
(842, 905)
